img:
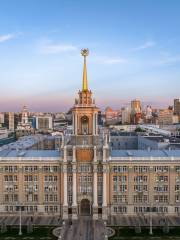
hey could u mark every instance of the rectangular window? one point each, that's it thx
(141, 169)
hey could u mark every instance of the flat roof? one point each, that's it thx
(145, 153)
(163, 139)
(30, 153)
(26, 142)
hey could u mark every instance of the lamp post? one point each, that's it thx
(105, 232)
(150, 221)
(62, 230)
(19, 207)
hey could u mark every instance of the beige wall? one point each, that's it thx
(153, 175)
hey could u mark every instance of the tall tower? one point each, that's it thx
(83, 149)
(85, 112)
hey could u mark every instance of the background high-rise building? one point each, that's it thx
(177, 107)
(11, 121)
(125, 115)
(136, 111)
(166, 116)
(44, 122)
(1, 119)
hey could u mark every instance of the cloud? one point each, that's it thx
(51, 48)
(4, 38)
(147, 44)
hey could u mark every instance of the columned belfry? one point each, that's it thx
(85, 113)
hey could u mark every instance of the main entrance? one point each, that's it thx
(85, 207)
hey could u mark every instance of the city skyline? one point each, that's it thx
(132, 55)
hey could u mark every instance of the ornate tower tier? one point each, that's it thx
(85, 112)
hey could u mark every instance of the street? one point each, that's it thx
(85, 229)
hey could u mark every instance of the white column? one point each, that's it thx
(65, 154)
(106, 140)
(73, 123)
(62, 145)
(96, 124)
(76, 121)
(65, 203)
(93, 123)
(74, 187)
(74, 154)
(104, 187)
(104, 154)
(95, 154)
(95, 202)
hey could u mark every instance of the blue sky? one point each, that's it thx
(134, 52)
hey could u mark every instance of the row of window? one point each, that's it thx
(50, 188)
(30, 178)
(163, 188)
(143, 169)
(119, 209)
(11, 188)
(161, 198)
(142, 198)
(159, 178)
(85, 178)
(120, 178)
(141, 178)
(11, 197)
(119, 198)
(47, 209)
(144, 188)
(88, 168)
(31, 197)
(12, 169)
(50, 198)
(123, 209)
(148, 209)
(34, 178)
(25, 208)
(85, 189)
(51, 178)
(119, 188)
(31, 188)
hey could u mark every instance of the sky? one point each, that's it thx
(134, 50)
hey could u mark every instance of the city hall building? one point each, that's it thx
(86, 176)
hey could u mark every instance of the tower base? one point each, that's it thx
(65, 213)
(74, 213)
(104, 213)
(95, 212)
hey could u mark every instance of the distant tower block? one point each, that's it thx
(24, 115)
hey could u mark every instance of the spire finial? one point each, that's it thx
(85, 53)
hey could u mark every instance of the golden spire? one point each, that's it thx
(85, 53)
